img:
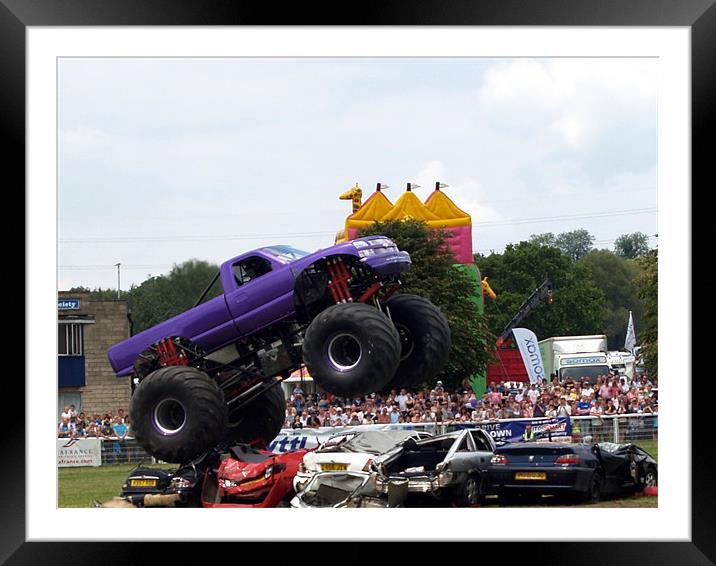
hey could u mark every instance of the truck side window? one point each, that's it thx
(250, 268)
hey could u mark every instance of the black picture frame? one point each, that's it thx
(698, 15)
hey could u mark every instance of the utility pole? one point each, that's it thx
(118, 285)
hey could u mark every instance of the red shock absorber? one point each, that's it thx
(338, 283)
(372, 290)
(389, 292)
(168, 354)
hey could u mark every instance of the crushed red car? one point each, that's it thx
(250, 477)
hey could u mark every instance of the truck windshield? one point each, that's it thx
(590, 373)
(285, 254)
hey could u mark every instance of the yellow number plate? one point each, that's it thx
(334, 467)
(530, 476)
(143, 483)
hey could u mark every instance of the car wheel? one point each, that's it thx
(594, 491)
(470, 492)
(351, 349)
(650, 477)
(424, 337)
(177, 413)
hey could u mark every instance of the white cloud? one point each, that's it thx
(203, 148)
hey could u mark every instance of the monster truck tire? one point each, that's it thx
(351, 349)
(261, 420)
(177, 412)
(425, 339)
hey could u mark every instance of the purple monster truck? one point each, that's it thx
(212, 373)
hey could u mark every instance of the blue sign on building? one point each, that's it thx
(68, 304)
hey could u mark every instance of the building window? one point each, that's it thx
(69, 339)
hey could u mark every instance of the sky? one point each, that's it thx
(166, 160)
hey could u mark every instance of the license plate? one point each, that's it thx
(143, 483)
(530, 476)
(334, 467)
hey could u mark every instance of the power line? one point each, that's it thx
(132, 240)
(138, 266)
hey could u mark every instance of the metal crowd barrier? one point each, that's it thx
(616, 428)
(127, 451)
(612, 428)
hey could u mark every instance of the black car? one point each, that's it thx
(584, 471)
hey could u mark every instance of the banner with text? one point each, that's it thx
(289, 439)
(529, 349)
(559, 428)
(79, 452)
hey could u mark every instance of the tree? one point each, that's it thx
(164, 296)
(616, 277)
(433, 275)
(545, 239)
(632, 246)
(575, 244)
(647, 284)
(579, 307)
(97, 294)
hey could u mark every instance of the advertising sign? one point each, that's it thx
(79, 452)
(559, 428)
(68, 304)
(531, 356)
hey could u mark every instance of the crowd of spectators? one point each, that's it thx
(608, 395)
(78, 425)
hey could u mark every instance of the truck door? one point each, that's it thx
(263, 293)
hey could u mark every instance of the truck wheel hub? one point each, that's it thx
(169, 417)
(344, 352)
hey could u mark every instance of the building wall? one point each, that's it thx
(103, 391)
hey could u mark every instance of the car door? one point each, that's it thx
(615, 468)
(263, 292)
(462, 455)
(484, 448)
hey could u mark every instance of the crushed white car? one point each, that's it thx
(348, 490)
(351, 451)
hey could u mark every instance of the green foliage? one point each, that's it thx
(647, 284)
(616, 277)
(98, 294)
(632, 246)
(162, 297)
(575, 244)
(544, 239)
(159, 298)
(579, 306)
(433, 275)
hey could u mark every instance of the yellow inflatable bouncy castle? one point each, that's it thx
(439, 213)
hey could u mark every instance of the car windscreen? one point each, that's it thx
(577, 373)
(285, 254)
(371, 442)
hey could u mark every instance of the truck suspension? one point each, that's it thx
(338, 282)
(168, 354)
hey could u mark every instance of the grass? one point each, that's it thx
(80, 487)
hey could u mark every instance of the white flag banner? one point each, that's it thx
(529, 349)
(630, 340)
